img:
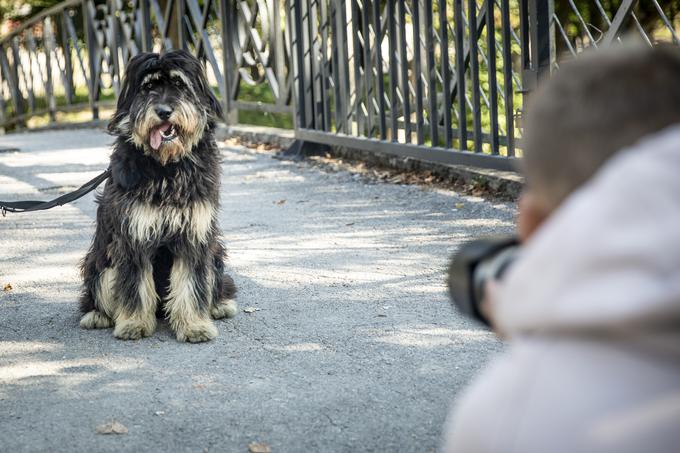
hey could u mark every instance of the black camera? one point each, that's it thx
(473, 265)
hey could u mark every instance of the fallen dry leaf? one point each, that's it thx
(280, 202)
(460, 205)
(7, 287)
(250, 309)
(113, 427)
(259, 447)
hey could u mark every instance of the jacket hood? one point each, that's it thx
(608, 259)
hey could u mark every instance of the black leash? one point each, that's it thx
(32, 205)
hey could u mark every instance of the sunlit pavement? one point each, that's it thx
(348, 343)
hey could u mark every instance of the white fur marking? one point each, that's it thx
(147, 222)
(182, 309)
(106, 302)
(95, 320)
(141, 322)
(150, 77)
(183, 77)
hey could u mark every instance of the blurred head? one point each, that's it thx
(165, 105)
(594, 106)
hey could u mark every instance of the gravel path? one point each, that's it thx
(352, 347)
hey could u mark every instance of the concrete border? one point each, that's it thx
(506, 183)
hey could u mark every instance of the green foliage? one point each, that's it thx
(261, 93)
(22, 9)
(645, 11)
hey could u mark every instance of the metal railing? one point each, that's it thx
(417, 78)
(439, 80)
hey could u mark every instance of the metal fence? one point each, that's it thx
(439, 80)
(417, 78)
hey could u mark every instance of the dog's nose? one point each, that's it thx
(163, 111)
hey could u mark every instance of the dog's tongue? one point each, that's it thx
(156, 139)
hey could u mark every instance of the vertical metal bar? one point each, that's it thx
(48, 34)
(446, 73)
(112, 32)
(68, 66)
(19, 70)
(315, 72)
(507, 77)
(474, 76)
(91, 55)
(367, 67)
(541, 40)
(356, 56)
(181, 35)
(296, 52)
(325, 89)
(305, 66)
(525, 47)
(342, 62)
(345, 68)
(493, 88)
(417, 70)
(146, 25)
(12, 76)
(279, 53)
(460, 73)
(391, 34)
(403, 61)
(226, 9)
(431, 74)
(335, 72)
(380, 81)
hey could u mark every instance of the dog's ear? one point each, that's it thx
(134, 71)
(204, 90)
(214, 103)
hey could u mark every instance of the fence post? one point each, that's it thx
(228, 17)
(300, 121)
(146, 26)
(541, 41)
(299, 43)
(179, 41)
(90, 43)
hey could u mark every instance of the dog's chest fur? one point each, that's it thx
(148, 222)
(156, 203)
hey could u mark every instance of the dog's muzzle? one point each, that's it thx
(164, 132)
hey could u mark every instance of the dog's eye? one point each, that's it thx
(178, 83)
(148, 86)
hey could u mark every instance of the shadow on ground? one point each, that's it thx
(353, 346)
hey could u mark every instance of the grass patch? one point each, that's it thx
(261, 93)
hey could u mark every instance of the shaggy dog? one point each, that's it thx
(156, 249)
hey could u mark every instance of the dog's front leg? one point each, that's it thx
(136, 298)
(190, 297)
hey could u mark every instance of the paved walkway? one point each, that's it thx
(353, 346)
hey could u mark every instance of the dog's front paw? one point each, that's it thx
(197, 332)
(132, 329)
(224, 309)
(95, 320)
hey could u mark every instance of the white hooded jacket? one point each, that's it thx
(592, 313)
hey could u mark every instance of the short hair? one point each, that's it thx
(597, 104)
